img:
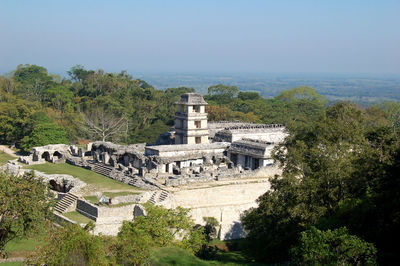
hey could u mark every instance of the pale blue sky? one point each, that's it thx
(342, 36)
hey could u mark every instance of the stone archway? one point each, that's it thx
(46, 156)
(58, 155)
(63, 187)
(55, 186)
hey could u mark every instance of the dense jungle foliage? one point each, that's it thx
(38, 108)
(337, 201)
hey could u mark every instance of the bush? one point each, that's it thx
(335, 247)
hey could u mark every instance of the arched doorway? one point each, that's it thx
(55, 186)
(46, 156)
(58, 155)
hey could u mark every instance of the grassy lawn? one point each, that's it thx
(98, 182)
(177, 256)
(77, 217)
(23, 247)
(4, 157)
(118, 194)
(25, 244)
(92, 199)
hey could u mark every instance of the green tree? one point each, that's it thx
(165, 227)
(25, 203)
(44, 133)
(302, 106)
(249, 95)
(33, 80)
(392, 109)
(14, 119)
(320, 174)
(210, 228)
(133, 245)
(59, 97)
(71, 245)
(221, 94)
(78, 73)
(335, 247)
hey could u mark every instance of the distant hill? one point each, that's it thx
(360, 88)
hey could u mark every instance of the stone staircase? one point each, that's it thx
(164, 194)
(132, 181)
(67, 201)
(106, 170)
(152, 199)
(101, 169)
(158, 196)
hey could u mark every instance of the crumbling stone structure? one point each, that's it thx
(194, 154)
(231, 149)
(53, 153)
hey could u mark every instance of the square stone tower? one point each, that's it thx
(191, 120)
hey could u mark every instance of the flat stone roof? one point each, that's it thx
(191, 99)
(253, 143)
(190, 147)
(251, 147)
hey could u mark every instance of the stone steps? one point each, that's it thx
(158, 196)
(152, 199)
(132, 181)
(101, 169)
(163, 196)
(66, 202)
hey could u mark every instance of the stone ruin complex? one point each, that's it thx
(196, 152)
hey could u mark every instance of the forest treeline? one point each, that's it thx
(38, 108)
(337, 201)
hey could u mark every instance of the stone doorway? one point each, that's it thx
(46, 156)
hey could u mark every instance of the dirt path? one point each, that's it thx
(7, 150)
(12, 259)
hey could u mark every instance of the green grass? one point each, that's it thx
(175, 256)
(22, 247)
(178, 256)
(92, 199)
(25, 244)
(77, 217)
(91, 178)
(119, 194)
(4, 157)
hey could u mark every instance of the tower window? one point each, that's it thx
(197, 124)
(198, 140)
(196, 108)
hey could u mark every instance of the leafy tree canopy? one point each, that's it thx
(335, 247)
(71, 245)
(25, 203)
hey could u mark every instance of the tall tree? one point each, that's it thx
(221, 94)
(25, 203)
(71, 245)
(103, 125)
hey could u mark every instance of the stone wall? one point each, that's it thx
(89, 210)
(110, 219)
(71, 183)
(126, 199)
(225, 203)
